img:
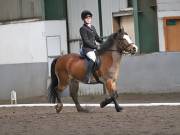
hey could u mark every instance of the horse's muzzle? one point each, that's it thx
(133, 49)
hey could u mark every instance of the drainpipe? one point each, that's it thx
(100, 18)
(43, 9)
(67, 27)
(136, 23)
(101, 30)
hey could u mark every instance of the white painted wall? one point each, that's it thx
(166, 8)
(56, 39)
(22, 43)
(57, 29)
(24, 55)
(26, 42)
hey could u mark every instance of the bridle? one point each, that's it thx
(122, 52)
(119, 52)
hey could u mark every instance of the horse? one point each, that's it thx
(70, 69)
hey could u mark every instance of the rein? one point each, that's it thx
(120, 52)
(117, 51)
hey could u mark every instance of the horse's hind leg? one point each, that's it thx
(74, 87)
(59, 105)
(62, 83)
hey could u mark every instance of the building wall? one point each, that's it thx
(108, 7)
(19, 9)
(23, 59)
(24, 56)
(150, 73)
(56, 39)
(166, 8)
(23, 42)
(27, 79)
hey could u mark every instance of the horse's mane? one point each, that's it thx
(107, 44)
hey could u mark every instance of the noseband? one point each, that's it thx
(120, 51)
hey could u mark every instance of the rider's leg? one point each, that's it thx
(91, 55)
(89, 71)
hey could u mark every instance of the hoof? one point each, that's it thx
(105, 102)
(119, 109)
(102, 104)
(84, 110)
(59, 107)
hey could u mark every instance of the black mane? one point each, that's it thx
(107, 44)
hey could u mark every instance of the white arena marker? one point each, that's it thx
(13, 97)
(95, 105)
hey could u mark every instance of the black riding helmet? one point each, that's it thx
(85, 13)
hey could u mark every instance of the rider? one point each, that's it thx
(89, 38)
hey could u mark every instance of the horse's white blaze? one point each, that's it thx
(128, 39)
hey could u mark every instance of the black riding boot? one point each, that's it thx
(89, 71)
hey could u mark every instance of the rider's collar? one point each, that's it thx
(89, 25)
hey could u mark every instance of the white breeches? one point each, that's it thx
(91, 55)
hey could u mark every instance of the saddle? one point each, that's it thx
(96, 65)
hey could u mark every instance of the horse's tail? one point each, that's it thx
(52, 93)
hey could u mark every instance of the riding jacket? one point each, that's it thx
(89, 38)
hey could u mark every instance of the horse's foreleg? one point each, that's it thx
(111, 87)
(74, 87)
(108, 100)
(114, 99)
(105, 102)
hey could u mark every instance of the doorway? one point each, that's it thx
(148, 26)
(172, 32)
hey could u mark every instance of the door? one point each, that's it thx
(53, 49)
(148, 26)
(172, 32)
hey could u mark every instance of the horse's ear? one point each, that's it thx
(121, 30)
